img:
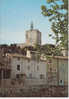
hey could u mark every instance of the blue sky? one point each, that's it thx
(16, 17)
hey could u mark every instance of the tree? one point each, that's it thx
(50, 49)
(38, 47)
(57, 11)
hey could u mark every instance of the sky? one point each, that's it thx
(16, 17)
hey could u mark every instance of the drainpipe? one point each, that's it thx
(57, 71)
(2, 82)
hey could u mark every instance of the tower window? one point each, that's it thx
(27, 36)
(18, 67)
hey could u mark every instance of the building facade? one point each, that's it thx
(33, 37)
(30, 68)
(57, 70)
(5, 67)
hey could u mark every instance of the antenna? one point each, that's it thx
(31, 26)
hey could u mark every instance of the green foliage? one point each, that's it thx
(58, 15)
(38, 47)
(50, 49)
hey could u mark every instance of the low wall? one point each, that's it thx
(35, 82)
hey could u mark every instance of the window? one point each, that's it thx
(18, 58)
(28, 67)
(6, 74)
(28, 60)
(60, 81)
(50, 69)
(0, 74)
(30, 75)
(17, 75)
(18, 67)
(55, 70)
(41, 76)
(50, 61)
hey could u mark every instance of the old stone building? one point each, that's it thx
(30, 68)
(5, 67)
(34, 64)
(57, 70)
(33, 37)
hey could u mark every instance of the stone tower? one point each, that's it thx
(33, 36)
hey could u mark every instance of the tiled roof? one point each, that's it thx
(21, 56)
